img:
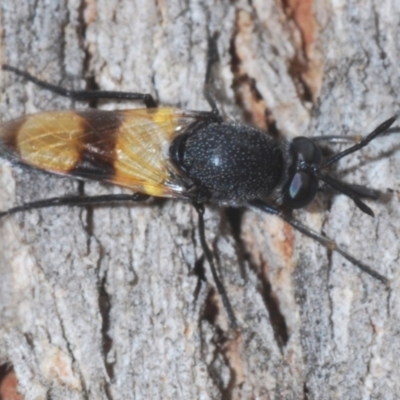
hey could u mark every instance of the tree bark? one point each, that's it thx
(107, 303)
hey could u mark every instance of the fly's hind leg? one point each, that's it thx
(84, 95)
(76, 201)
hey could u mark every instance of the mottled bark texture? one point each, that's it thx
(106, 302)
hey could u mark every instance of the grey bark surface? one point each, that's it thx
(103, 303)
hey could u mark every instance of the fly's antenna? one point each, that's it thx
(354, 192)
(381, 129)
(348, 191)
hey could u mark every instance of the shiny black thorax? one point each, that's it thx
(229, 163)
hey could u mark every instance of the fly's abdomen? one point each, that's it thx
(127, 148)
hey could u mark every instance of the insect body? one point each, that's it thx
(163, 152)
(169, 152)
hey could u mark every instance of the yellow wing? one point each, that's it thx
(129, 148)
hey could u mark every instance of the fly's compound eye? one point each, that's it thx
(303, 186)
(307, 150)
(301, 191)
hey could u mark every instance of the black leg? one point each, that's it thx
(76, 201)
(84, 95)
(326, 242)
(210, 258)
(212, 59)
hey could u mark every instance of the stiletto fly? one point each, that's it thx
(174, 153)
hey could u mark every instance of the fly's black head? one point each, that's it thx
(306, 171)
(229, 164)
(302, 185)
